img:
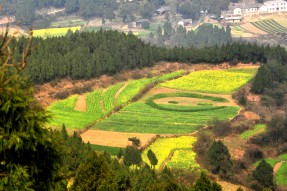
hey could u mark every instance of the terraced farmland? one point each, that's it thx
(164, 146)
(99, 103)
(270, 26)
(213, 81)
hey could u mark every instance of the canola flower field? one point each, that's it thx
(163, 146)
(213, 81)
(49, 32)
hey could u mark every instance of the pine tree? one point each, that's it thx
(264, 174)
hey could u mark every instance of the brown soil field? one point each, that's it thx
(115, 139)
(81, 103)
(249, 115)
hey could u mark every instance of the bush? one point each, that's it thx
(220, 128)
(253, 154)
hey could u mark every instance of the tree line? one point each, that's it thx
(91, 54)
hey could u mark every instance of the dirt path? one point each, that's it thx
(102, 106)
(276, 167)
(81, 103)
(115, 139)
(120, 90)
(166, 160)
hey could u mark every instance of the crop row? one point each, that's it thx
(212, 81)
(163, 147)
(141, 118)
(270, 26)
(98, 103)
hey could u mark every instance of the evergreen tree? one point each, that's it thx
(152, 158)
(204, 184)
(30, 158)
(264, 174)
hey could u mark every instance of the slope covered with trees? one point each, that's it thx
(85, 55)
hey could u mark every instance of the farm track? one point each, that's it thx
(166, 160)
(102, 106)
(120, 90)
(81, 104)
(276, 167)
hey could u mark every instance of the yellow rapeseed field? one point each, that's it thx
(213, 81)
(49, 32)
(163, 146)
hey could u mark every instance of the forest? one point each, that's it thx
(108, 52)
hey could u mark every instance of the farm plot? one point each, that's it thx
(269, 26)
(164, 146)
(142, 118)
(257, 129)
(49, 32)
(213, 81)
(98, 103)
(63, 113)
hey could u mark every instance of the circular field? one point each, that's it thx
(186, 102)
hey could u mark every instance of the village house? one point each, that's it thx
(237, 11)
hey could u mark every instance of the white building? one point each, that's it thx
(273, 6)
(236, 11)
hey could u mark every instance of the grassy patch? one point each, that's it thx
(163, 146)
(49, 32)
(270, 161)
(111, 150)
(281, 175)
(257, 129)
(141, 118)
(283, 156)
(223, 81)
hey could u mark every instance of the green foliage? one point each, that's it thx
(95, 174)
(152, 158)
(110, 150)
(132, 156)
(219, 158)
(204, 184)
(30, 157)
(264, 174)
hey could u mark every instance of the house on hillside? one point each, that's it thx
(273, 6)
(162, 10)
(237, 11)
(185, 22)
